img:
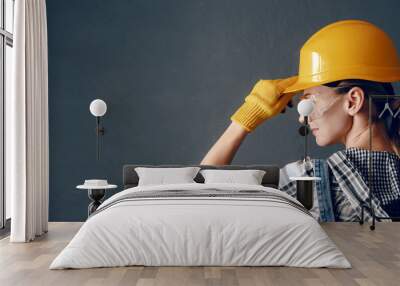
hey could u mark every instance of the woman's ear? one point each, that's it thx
(355, 100)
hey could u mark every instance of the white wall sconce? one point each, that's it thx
(98, 108)
(305, 108)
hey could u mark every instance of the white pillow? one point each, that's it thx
(162, 176)
(248, 177)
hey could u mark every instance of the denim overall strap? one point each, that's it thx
(323, 190)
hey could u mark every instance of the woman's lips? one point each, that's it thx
(314, 130)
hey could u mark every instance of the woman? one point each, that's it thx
(340, 67)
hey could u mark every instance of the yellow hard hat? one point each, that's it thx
(349, 49)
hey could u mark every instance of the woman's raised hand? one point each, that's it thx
(265, 100)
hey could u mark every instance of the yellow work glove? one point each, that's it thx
(264, 101)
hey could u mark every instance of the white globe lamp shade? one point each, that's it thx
(305, 107)
(98, 107)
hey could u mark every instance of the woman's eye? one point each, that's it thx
(303, 97)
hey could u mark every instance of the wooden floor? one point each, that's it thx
(375, 257)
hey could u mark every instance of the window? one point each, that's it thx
(6, 56)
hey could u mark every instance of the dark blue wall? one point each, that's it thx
(172, 73)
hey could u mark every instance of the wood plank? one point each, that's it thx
(375, 257)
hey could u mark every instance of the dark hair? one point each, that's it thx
(392, 124)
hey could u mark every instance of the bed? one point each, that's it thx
(198, 224)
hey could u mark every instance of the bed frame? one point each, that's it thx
(271, 178)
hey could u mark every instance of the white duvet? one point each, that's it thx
(200, 231)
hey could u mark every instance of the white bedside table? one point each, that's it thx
(96, 192)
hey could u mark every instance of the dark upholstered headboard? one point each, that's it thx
(270, 179)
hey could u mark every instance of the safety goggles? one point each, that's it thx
(322, 104)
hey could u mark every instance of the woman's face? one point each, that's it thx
(329, 121)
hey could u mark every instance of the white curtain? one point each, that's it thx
(27, 123)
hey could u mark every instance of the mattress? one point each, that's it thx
(201, 225)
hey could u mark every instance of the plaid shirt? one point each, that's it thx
(344, 188)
